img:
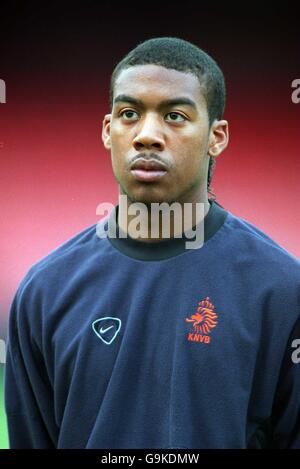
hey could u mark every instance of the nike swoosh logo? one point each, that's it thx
(102, 331)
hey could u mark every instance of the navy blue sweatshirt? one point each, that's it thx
(121, 343)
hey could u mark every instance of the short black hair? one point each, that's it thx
(183, 56)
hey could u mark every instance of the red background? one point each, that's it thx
(57, 62)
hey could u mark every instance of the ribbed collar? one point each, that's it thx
(166, 248)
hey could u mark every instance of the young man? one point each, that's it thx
(137, 341)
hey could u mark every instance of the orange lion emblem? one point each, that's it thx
(205, 318)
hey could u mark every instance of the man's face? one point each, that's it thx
(159, 135)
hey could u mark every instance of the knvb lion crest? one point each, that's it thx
(204, 320)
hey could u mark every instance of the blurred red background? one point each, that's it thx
(57, 62)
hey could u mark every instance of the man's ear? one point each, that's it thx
(106, 131)
(218, 137)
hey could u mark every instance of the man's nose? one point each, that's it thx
(150, 135)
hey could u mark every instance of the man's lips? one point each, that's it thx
(148, 165)
(148, 170)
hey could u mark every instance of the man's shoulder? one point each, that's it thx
(251, 241)
(69, 254)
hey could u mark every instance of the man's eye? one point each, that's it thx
(129, 115)
(175, 117)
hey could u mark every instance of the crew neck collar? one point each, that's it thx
(166, 248)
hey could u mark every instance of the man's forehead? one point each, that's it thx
(156, 80)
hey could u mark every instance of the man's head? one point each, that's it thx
(167, 99)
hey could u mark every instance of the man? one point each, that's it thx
(136, 341)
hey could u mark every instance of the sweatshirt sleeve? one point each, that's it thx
(286, 407)
(28, 392)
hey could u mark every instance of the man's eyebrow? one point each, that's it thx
(167, 102)
(178, 101)
(124, 98)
